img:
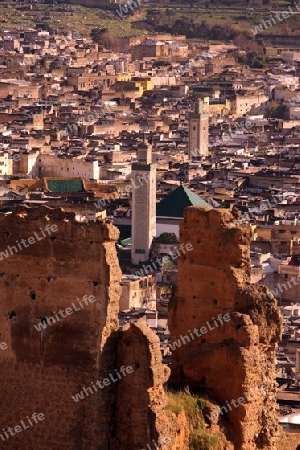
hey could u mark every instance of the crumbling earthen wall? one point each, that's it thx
(140, 418)
(41, 370)
(289, 441)
(238, 355)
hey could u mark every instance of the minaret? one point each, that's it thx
(198, 129)
(143, 204)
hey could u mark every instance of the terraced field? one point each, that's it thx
(81, 19)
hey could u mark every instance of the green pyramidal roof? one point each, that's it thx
(174, 204)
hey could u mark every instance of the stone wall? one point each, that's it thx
(41, 370)
(93, 3)
(289, 441)
(52, 357)
(137, 409)
(233, 357)
(140, 418)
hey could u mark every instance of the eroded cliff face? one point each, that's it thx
(40, 371)
(233, 359)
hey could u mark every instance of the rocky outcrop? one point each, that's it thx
(233, 356)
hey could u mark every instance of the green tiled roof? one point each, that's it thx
(173, 205)
(65, 185)
(125, 242)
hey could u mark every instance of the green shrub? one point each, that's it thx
(193, 407)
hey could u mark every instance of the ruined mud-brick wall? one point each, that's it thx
(289, 441)
(233, 358)
(40, 371)
(139, 417)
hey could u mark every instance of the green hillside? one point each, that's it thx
(223, 20)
